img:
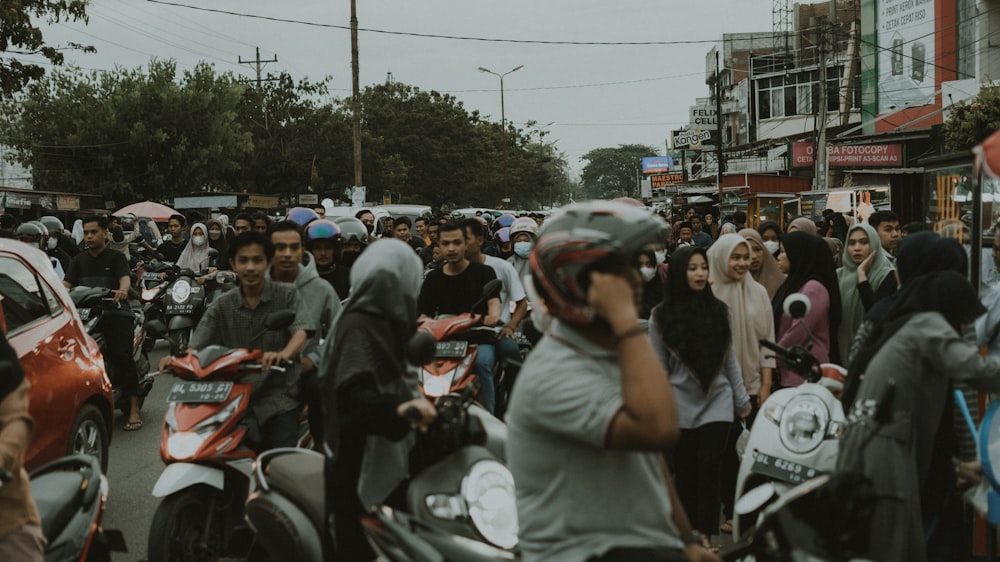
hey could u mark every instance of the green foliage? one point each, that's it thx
(611, 172)
(20, 35)
(970, 123)
(128, 134)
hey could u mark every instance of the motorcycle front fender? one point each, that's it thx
(178, 476)
(180, 323)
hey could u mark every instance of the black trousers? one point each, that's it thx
(641, 555)
(117, 330)
(697, 463)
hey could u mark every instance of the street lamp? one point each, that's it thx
(503, 124)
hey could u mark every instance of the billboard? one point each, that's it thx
(656, 164)
(849, 156)
(906, 53)
(660, 181)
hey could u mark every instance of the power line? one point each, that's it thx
(452, 37)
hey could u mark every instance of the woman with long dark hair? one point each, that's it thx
(691, 335)
(807, 261)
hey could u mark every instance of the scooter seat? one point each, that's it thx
(58, 496)
(300, 478)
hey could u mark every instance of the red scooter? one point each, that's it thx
(206, 446)
(451, 370)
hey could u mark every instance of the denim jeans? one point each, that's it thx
(483, 367)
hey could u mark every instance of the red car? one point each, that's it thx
(70, 396)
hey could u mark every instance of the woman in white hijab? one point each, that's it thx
(751, 319)
(195, 254)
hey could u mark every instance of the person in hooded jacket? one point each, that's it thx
(918, 352)
(367, 391)
(293, 264)
(691, 335)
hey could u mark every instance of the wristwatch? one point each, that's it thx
(691, 537)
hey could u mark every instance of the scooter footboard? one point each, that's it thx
(281, 528)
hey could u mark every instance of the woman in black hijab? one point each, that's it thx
(366, 391)
(917, 351)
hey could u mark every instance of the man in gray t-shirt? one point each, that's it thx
(592, 409)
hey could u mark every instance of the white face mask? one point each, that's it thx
(661, 255)
(198, 240)
(51, 244)
(647, 273)
(772, 245)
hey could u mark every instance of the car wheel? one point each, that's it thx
(89, 435)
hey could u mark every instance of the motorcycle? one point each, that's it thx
(796, 435)
(207, 447)
(93, 303)
(460, 501)
(71, 494)
(451, 369)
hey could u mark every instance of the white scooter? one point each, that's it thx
(796, 434)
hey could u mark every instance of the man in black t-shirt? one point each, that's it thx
(171, 249)
(100, 266)
(453, 289)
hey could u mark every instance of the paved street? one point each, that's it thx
(135, 465)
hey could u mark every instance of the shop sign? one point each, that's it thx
(660, 181)
(849, 156)
(262, 201)
(68, 202)
(308, 199)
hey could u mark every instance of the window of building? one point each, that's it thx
(795, 94)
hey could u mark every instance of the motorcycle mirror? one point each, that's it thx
(797, 305)
(279, 320)
(492, 289)
(421, 349)
(155, 328)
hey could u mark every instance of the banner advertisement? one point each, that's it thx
(906, 53)
(68, 202)
(656, 164)
(660, 181)
(16, 201)
(849, 156)
(262, 201)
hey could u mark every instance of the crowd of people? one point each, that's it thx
(650, 367)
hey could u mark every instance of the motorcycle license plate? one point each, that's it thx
(199, 392)
(455, 348)
(179, 309)
(781, 469)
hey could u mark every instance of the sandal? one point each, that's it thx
(132, 426)
(706, 543)
(726, 527)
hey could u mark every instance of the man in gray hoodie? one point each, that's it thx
(292, 264)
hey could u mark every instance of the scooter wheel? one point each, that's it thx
(178, 529)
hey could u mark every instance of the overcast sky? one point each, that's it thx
(596, 95)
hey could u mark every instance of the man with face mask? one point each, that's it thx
(355, 238)
(367, 218)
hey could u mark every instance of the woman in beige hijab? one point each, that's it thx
(751, 319)
(763, 266)
(804, 224)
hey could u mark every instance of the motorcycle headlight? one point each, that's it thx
(181, 291)
(435, 386)
(488, 489)
(149, 294)
(804, 423)
(184, 444)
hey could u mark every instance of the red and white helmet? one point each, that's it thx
(584, 237)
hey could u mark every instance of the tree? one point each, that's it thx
(611, 172)
(19, 35)
(970, 123)
(128, 134)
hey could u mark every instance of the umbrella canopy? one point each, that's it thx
(988, 156)
(155, 211)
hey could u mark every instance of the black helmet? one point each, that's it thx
(53, 224)
(571, 244)
(353, 230)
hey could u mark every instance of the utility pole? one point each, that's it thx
(259, 64)
(720, 163)
(356, 95)
(822, 161)
(503, 126)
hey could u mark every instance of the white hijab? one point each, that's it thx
(750, 316)
(194, 257)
